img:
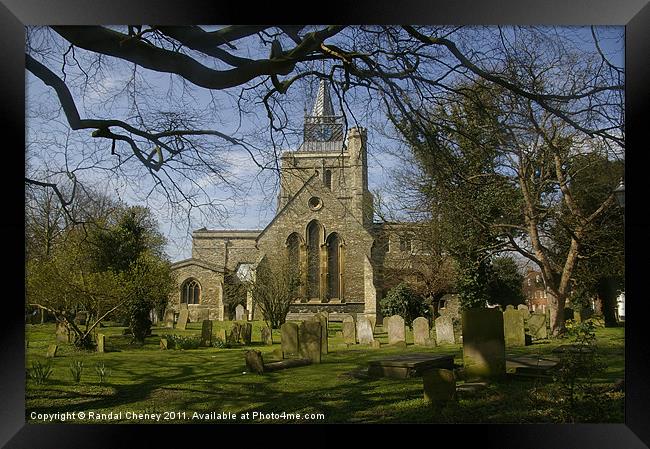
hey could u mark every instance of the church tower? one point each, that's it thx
(339, 161)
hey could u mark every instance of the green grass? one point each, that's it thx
(146, 379)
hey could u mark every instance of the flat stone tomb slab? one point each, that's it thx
(408, 365)
(530, 364)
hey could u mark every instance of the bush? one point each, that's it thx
(402, 300)
(181, 342)
(76, 368)
(40, 373)
(102, 372)
(219, 343)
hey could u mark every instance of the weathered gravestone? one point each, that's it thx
(396, 331)
(439, 385)
(220, 335)
(254, 361)
(51, 351)
(513, 327)
(206, 333)
(239, 313)
(62, 333)
(246, 333)
(420, 331)
(364, 330)
(322, 318)
(484, 353)
(523, 309)
(444, 330)
(310, 340)
(164, 344)
(169, 318)
(289, 340)
(101, 343)
(537, 326)
(349, 330)
(182, 319)
(267, 337)
(234, 334)
(203, 314)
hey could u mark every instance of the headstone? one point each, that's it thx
(246, 334)
(206, 333)
(376, 344)
(513, 327)
(322, 319)
(439, 385)
(163, 343)
(101, 343)
(396, 331)
(523, 309)
(349, 330)
(220, 334)
(51, 351)
(444, 330)
(182, 319)
(233, 336)
(254, 361)
(364, 331)
(483, 343)
(289, 340)
(239, 313)
(62, 333)
(169, 318)
(267, 337)
(203, 314)
(537, 326)
(310, 340)
(420, 331)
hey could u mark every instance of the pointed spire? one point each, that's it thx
(323, 104)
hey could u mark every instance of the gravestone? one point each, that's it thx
(310, 340)
(513, 327)
(239, 313)
(101, 343)
(164, 343)
(51, 351)
(321, 317)
(246, 333)
(537, 326)
(420, 331)
(444, 330)
(349, 330)
(62, 333)
(483, 343)
(206, 333)
(396, 331)
(267, 337)
(169, 318)
(182, 319)
(254, 361)
(203, 314)
(234, 334)
(220, 334)
(364, 330)
(439, 385)
(523, 309)
(289, 340)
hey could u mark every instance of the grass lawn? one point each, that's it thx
(145, 379)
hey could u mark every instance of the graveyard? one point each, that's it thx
(233, 372)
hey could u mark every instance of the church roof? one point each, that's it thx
(323, 104)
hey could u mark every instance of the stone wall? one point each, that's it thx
(211, 283)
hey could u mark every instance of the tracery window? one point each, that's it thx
(191, 292)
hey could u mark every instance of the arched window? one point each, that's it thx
(328, 179)
(313, 259)
(190, 292)
(293, 252)
(334, 265)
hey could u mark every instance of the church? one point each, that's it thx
(323, 226)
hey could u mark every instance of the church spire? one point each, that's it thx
(323, 104)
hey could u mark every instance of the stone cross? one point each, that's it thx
(396, 330)
(364, 330)
(420, 331)
(182, 319)
(444, 330)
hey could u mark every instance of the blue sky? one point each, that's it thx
(252, 204)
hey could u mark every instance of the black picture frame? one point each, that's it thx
(634, 14)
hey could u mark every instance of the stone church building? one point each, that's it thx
(323, 226)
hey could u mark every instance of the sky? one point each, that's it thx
(52, 147)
